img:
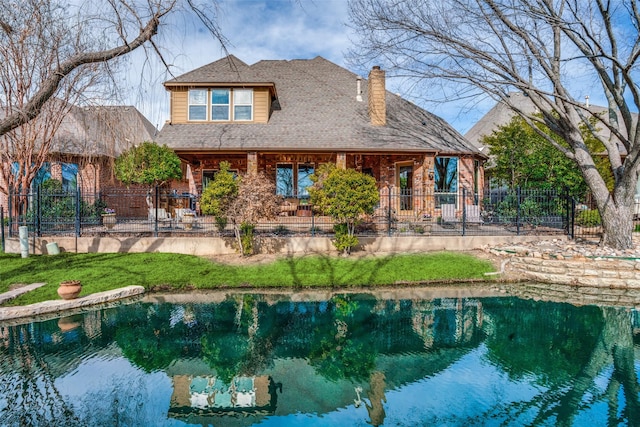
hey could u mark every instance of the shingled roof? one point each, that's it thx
(317, 110)
(102, 131)
(501, 114)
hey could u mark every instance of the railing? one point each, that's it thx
(140, 212)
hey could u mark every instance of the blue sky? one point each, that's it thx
(256, 30)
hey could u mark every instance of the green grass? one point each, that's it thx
(101, 272)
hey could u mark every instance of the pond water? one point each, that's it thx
(338, 360)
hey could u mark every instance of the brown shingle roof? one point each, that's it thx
(102, 131)
(318, 112)
(501, 114)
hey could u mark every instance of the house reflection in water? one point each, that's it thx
(208, 395)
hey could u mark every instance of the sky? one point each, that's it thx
(257, 30)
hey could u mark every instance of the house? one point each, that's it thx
(501, 114)
(86, 144)
(286, 117)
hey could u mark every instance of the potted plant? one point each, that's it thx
(69, 289)
(109, 218)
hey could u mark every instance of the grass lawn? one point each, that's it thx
(100, 272)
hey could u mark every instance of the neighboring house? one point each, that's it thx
(501, 114)
(285, 118)
(87, 143)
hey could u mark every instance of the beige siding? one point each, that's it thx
(180, 100)
(179, 106)
(261, 103)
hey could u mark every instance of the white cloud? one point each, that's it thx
(257, 30)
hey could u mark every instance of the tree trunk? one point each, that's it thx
(617, 226)
(236, 231)
(617, 221)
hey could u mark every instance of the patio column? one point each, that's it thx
(341, 160)
(252, 163)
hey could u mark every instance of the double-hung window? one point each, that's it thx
(243, 104)
(198, 104)
(220, 104)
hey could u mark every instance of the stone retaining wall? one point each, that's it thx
(609, 273)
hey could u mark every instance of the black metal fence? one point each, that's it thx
(139, 212)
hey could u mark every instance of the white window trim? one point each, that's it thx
(242, 105)
(206, 105)
(229, 118)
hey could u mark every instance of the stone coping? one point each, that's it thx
(68, 306)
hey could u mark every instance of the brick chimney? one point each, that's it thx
(377, 102)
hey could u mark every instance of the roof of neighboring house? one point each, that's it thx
(316, 110)
(102, 131)
(501, 114)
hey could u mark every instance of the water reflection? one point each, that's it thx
(352, 359)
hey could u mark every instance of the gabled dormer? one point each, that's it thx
(225, 91)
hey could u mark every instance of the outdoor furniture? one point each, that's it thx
(448, 215)
(163, 217)
(186, 217)
(289, 207)
(472, 215)
(180, 212)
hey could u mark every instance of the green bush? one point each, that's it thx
(57, 205)
(246, 233)
(218, 195)
(148, 163)
(346, 195)
(221, 223)
(344, 240)
(588, 218)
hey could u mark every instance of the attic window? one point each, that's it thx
(243, 104)
(220, 104)
(198, 104)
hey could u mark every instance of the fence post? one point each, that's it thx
(10, 225)
(38, 213)
(464, 210)
(2, 227)
(518, 211)
(155, 216)
(389, 211)
(78, 212)
(571, 202)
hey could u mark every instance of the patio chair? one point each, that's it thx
(472, 215)
(164, 218)
(448, 215)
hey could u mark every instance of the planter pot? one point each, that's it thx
(187, 221)
(109, 220)
(69, 289)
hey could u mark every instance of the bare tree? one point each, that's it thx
(256, 200)
(54, 54)
(553, 51)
